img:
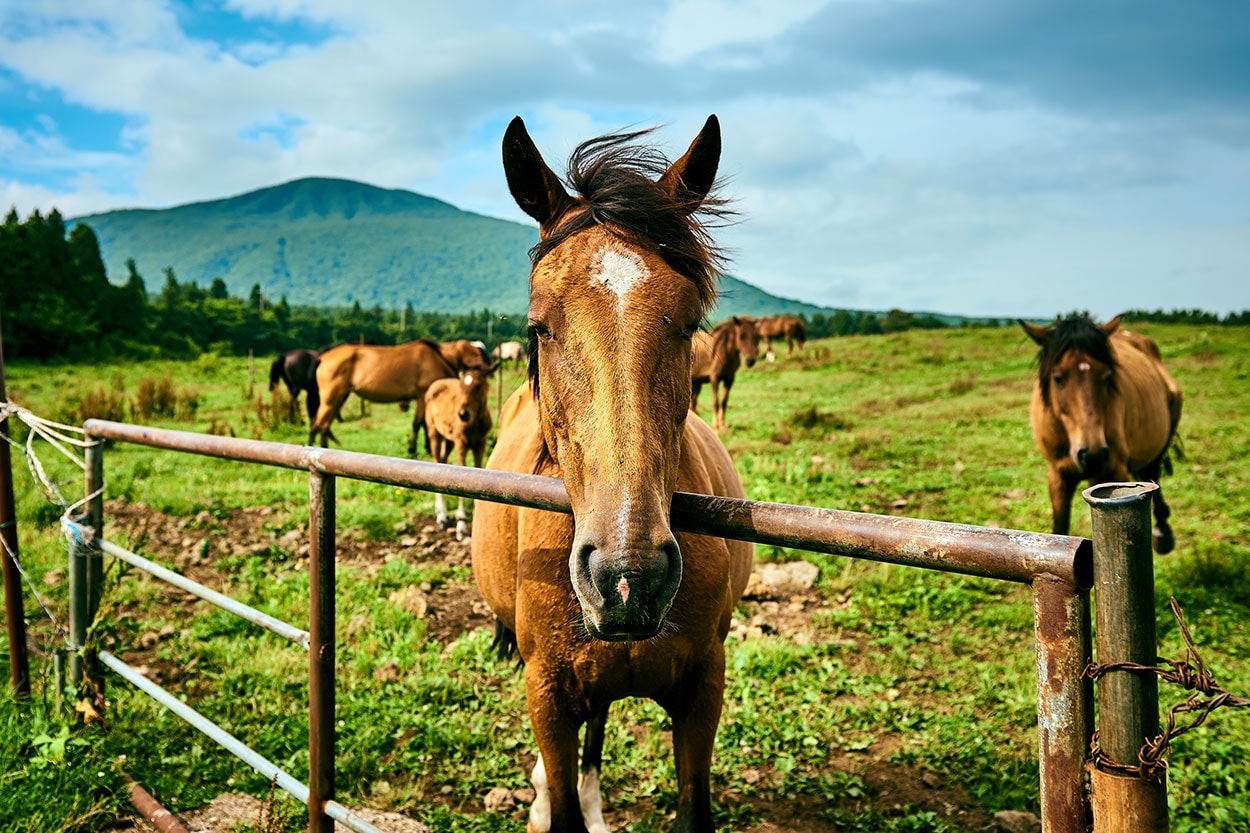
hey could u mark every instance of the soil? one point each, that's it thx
(779, 600)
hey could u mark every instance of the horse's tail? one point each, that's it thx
(800, 331)
(504, 643)
(1174, 451)
(275, 372)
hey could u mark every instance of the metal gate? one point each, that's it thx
(1059, 569)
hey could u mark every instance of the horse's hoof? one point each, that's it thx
(442, 524)
(461, 530)
(1163, 541)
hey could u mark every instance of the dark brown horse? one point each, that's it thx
(610, 603)
(379, 374)
(717, 357)
(788, 327)
(298, 369)
(1104, 410)
(457, 416)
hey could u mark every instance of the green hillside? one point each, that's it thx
(331, 242)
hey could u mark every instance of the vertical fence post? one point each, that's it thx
(320, 651)
(19, 667)
(1061, 626)
(1128, 702)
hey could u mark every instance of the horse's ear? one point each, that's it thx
(1039, 334)
(1112, 325)
(690, 178)
(534, 186)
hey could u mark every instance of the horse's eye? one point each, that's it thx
(1058, 379)
(539, 330)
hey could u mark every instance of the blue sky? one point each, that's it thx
(1002, 158)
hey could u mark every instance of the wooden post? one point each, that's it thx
(1128, 702)
(19, 667)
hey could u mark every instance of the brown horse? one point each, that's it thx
(610, 603)
(717, 357)
(1104, 410)
(457, 415)
(781, 326)
(379, 374)
(298, 369)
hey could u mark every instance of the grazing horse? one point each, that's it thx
(717, 357)
(457, 416)
(379, 374)
(463, 354)
(1105, 410)
(776, 326)
(298, 368)
(610, 603)
(510, 351)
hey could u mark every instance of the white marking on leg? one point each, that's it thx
(462, 527)
(440, 510)
(540, 810)
(591, 801)
(620, 270)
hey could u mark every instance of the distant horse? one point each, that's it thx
(457, 416)
(510, 351)
(609, 603)
(298, 368)
(779, 326)
(379, 374)
(463, 354)
(717, 357)
(1104, 410)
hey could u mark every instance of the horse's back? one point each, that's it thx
(1147, 395)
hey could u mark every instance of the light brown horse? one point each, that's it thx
(1104, 410)
(788, 327)
(378, 374)
(457, 415)
(610, 603)
(717, 357)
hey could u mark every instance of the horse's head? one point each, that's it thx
(622, 277)
(473, 394)
(1076, 379)
(747, 338)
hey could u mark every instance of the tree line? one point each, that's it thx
(56, 302)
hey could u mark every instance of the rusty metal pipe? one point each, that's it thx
(14, 608)
(152, 810)
(1012, 555)
(320, 651)
(1061, 630)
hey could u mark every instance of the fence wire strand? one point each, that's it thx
(1190, 674)
(55, 434)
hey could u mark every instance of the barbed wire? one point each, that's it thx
(1191, 674)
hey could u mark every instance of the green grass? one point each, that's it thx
(912, 670)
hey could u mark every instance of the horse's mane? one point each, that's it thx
(1080, 333)
(616, 180)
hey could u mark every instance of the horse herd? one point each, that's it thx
(611, 602)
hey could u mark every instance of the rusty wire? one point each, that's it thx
(1190, 674)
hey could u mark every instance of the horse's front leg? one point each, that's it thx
(1061, 489)
(557, 804)
(695, 708)
(462, 525)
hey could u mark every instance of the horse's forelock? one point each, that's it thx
(615, 178)
(1078, 333)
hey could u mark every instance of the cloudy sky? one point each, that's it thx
(985, 158)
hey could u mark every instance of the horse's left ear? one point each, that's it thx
(1039, 334)
(534, 186)
(1112, 325)
(690, 178)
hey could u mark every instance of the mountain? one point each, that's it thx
(332, 242)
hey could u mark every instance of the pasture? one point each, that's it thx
(881, 698)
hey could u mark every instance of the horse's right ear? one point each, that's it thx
(534, 186)
(1039, 334)
(1112, 325)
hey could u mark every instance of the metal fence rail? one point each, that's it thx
(1059, 569)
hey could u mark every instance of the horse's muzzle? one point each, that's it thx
(625, 597)
(1091, 462)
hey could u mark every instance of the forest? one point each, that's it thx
(57, 303)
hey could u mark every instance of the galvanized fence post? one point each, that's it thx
(320, 650)
(95, 519)
(1128, 702)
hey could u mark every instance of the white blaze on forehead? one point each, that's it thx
(468, 378)
(619, 270)
(1083, 367)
